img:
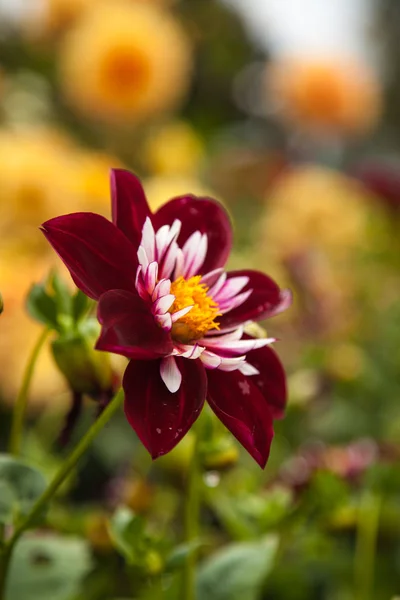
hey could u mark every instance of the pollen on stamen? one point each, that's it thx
(201, 318)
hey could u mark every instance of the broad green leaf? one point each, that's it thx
(41, 306)
(127, 530)
(47, 568)
(238, 571)
(20, 486)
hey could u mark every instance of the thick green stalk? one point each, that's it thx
(192, 525)
(366, 541)
(59, 478)
(22, 398)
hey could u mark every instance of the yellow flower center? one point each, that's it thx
(200, 319)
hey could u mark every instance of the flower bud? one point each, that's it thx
(97, 532)
(218, 449)
(138, 495)
(154, 563)
(221, 456)
(87, 370)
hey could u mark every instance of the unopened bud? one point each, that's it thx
(87, 370)
(154, 563)
(97, 532)
(220, 454)
(137, 495)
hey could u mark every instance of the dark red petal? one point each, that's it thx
(129, 328)
(271, 380)
(204, 215)
(161, 419)
(97, 254)
(266, 300)
(129, 204)
(242, 408)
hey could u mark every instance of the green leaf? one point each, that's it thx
(20, 486)
(80, 305)
(41, 306)
(47, 568)
(62, 294)
(127, 532)
(238, 571)
(178, 556)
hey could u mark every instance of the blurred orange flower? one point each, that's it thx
(125, 61)
(327, 96)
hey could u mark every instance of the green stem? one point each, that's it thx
(5, 558)
(191, 516)
(59, 478)
(366, 541)
(22, 398)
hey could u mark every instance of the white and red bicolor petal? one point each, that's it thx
(170, 374)
(204, 215)
(189, 351)
(161, 418)
(228, 347)
(128, 265)
(194, 253)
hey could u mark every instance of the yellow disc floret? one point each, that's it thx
(201, 318)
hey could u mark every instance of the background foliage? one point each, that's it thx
(304, 152)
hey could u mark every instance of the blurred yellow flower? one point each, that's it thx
(125, 61)
(90, 180)
(314, 208)
(33, 175)
(49, 18)
(162, 188)
(174, 148)
(325, 96)
(315, 227)
(19, 334)
(42, 173)
(46, 19)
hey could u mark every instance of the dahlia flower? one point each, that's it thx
(166, 303)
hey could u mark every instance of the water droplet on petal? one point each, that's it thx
(158, 430)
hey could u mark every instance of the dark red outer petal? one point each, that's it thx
(263, 302)
(204, 215)
(271, 380)
(242, 408)
(96, 253)
(161, 419)
(129, 204)
(129, 328)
